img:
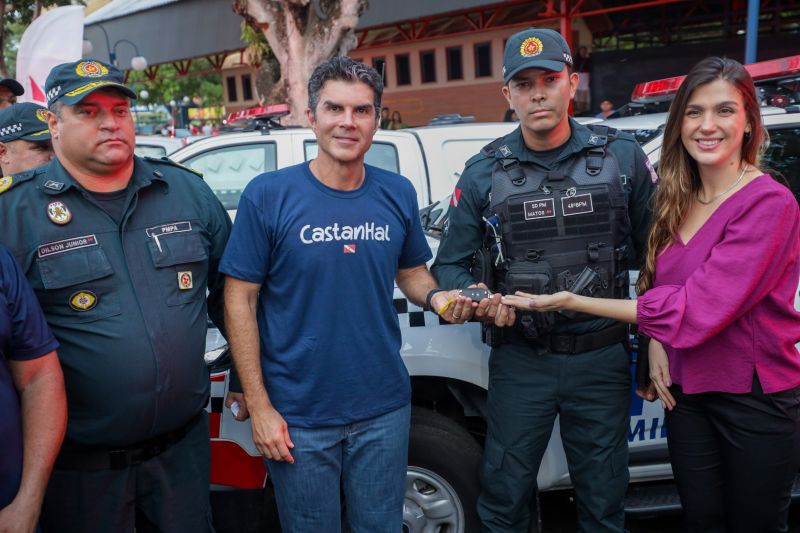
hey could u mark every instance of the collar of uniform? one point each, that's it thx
(55, 180)
(578, 140)
(145, 173)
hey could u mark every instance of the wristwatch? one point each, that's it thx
(428, 305)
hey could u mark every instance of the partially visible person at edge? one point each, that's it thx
(10, 89)
(606, 109)
(122, 254)
(551, 197)
(311, 265)
(24, 140)
(718, 290)
(32, 400)
(385, 120)
(397, 122)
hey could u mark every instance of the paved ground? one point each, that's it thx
(254, 512)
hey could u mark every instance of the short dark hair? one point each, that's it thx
(343, 68)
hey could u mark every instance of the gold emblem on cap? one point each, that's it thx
(185, 280)
(83, 300)
(532, 46)
(58, 213)
(41, 114)
(5, 183)
(90, 69)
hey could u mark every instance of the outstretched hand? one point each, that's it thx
(538, 302)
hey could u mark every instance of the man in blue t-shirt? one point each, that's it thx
(33, 405)
(311, 266)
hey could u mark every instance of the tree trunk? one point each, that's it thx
(301, 34)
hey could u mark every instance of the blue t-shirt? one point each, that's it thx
(24, 335)
(327, 260)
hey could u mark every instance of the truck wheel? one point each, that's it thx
(442, 478)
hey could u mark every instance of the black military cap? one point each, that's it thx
(25, 121)
(70, 83)
(535, 48)
(12, 85)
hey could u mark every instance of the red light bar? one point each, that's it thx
(657, 90)
(269, 111)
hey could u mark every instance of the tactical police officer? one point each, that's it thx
(24, 139)
(120, 252)
(551, 206)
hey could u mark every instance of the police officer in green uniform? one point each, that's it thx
(24, 139)
(121, 252)
(551, 206)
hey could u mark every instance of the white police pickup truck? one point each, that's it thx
(448, 364)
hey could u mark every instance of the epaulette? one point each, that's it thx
(170, 162)
(475, 158)
(7, 182)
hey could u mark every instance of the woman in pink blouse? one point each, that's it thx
(718, 296)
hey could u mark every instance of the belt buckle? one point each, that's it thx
(564, 343)
(118, 459)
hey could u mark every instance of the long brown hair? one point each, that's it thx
(679, 180)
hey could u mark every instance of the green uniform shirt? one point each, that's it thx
(126, 301)
(465, 228)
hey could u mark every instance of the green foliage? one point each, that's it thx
(257, 46)
(16, 20)
(168, 85)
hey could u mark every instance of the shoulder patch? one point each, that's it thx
(8, 182)
(170, 162)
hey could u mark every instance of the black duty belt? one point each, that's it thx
(586, 342)
(75, 456)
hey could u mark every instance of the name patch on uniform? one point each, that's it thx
(166, 229)
(83, 300)
(577, 205)
(66, 245)
(544, 208)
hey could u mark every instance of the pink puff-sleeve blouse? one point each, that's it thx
(725, 304)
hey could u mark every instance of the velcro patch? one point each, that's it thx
(166, 229)
(577, 205)
(544, 208)
(66, 245)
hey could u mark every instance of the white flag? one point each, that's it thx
(53, 38)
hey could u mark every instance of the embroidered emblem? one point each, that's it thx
(41, 114)
(90, 69)
(58, 213)
(5, 183)
(505, 151)
(54, 185)
(185, 280)
(532, 46)
(83, 300)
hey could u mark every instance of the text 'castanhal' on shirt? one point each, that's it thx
(368, 231)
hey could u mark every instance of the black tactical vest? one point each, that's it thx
(559, 230)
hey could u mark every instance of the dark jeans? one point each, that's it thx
(591, 394)
(164, 494)
(735, 457)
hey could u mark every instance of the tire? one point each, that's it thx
(442, 479)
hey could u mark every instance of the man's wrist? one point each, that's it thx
(429, 298)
